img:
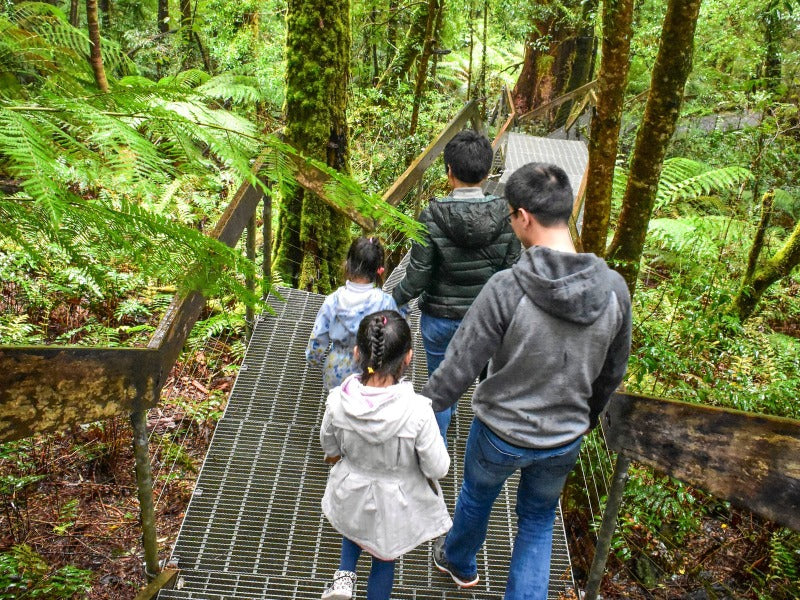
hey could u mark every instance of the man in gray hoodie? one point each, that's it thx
(557, 328)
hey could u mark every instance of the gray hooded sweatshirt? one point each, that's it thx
(557, 328)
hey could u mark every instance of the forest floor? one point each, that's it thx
(81, 508)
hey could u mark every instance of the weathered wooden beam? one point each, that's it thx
(417, 168)
(51, 388)
(749, 459)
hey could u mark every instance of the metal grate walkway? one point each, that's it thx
(254, 528)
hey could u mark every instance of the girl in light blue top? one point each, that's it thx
(337, 322)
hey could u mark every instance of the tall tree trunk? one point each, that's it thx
(779, 266)
(434, 6)
(105, 13)
(186, 27)
(612, 80)
(758, 240)
(391, 33)
(73, 12)
(95, 57)
(163, 16)
(312, 239)
(373, 45)
(437, 30)
(582, 59)
(773, 27)
(482, 76)
(410, 48)
(541, 79)
(471, 51)
(672, 67)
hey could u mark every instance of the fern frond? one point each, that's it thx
(682, 179)
(239, 89)
(189, 79)
(787, 203)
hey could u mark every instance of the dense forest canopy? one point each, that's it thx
(126, 127)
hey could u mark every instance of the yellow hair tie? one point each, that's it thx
(370, 370)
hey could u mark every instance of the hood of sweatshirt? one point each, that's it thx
(470, 219)
(573, 287)
(376, 413)
(349, 306)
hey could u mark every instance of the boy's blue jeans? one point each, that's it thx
(488, 462)
(436, 335)
(381, 575)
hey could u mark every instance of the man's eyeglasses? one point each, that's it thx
(511, 214)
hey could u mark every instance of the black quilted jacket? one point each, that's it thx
(469, 239)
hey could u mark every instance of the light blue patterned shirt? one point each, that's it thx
(336, 326)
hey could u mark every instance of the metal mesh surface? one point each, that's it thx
(254, 527)
(570, 155)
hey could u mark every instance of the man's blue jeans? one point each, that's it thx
(488, 462)
(436, 335)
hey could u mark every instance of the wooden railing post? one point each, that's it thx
(144, 484)
(609, 523)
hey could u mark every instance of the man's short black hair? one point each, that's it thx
(543, 190)
(469, 156)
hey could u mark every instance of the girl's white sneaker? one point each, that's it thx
(344, 583)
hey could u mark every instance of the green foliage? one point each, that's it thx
(24, 573)
(173, 453)
(206, 411)
(785, 555)
(67, 514)
(91, 170)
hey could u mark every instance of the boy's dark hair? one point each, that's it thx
(469, 156)
(383, 340)
(364, 258)
(543, 190)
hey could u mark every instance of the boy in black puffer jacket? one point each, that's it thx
(469, 239)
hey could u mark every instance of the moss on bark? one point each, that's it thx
(672, 67)
(312, 239)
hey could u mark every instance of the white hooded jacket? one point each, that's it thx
(378, 494)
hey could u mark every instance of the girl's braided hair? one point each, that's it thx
(364, 259)
(383, 340)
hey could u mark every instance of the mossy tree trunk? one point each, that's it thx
(756, 281)
(105, 13)
(434, 9)
(73, 12)
(672, 67)
(612, 81)
(186, 31)
(312, 239)
(409, 49)
(95, 56)
(163, 16)
(583, 56)
(774, 28)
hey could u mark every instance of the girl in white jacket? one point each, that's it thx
(382, 494)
